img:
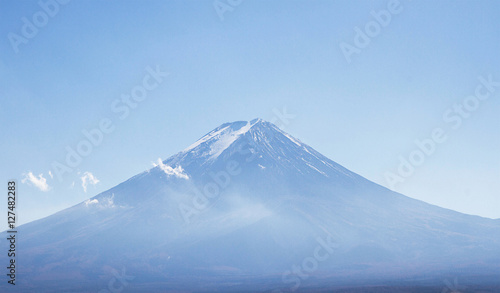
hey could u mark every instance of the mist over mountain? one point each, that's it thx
(249, 208)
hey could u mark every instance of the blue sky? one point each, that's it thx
(263, 56)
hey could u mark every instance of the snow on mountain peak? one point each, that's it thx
(271, 146)
(216, 141)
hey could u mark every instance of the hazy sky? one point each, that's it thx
(64, 71)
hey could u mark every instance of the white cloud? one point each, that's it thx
(51, 176)
(108, 202)
(39, 182)
(88, 178)
(102, 203)
(91, 202)
(177, 171)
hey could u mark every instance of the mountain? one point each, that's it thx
(249, 208)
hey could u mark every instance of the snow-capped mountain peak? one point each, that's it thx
(219, 139)
(272, 150)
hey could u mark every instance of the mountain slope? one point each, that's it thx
(239, 209)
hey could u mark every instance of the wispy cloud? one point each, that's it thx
(91, 202)
(39, 182)
(50, 174)
(88, 178)
(177, 171)
(102, 203)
